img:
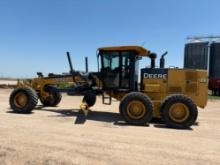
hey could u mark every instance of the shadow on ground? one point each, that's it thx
(109, 117)
(20, 113)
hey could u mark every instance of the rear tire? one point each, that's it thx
(179, 111)
(23, 100)
(136, 108)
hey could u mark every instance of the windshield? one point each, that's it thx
(110, 60)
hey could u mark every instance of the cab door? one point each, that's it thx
(125, 70)
(118, 70)
(110, 71)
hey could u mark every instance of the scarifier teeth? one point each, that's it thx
(85, 108)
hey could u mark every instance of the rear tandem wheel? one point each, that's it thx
(136, 108)
(179, 111)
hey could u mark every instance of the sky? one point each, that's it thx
(35, 34)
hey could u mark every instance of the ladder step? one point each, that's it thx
(104, 98)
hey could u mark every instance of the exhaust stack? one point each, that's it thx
(162, 60)
(153, 57)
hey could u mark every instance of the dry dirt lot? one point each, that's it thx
(60, 135)
(8, 82)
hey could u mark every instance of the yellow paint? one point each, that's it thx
(192, 83)
(136, 109)
(20, 100)
(179, 112)
(140, 50)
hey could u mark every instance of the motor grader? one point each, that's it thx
(171, 94)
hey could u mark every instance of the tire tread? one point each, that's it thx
(165, 105)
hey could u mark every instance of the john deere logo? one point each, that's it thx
(155, 76)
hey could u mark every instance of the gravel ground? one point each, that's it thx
(61, 135)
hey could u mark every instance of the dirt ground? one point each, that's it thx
(60, 135)
(8, 82)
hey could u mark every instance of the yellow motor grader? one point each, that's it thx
(172, 94)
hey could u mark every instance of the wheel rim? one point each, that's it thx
(20, 99)
(179, 112)
(136, 109)
(48, 98)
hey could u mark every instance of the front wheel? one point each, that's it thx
(52, 100)
(23, 100)
(179, 111)
(136, 108)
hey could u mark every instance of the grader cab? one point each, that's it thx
(172, 94)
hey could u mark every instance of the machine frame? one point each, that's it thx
(172, 94)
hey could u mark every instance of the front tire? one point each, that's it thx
(136, 108)
(23, 100)
(90, 99)
(179, 111)
(52, 100)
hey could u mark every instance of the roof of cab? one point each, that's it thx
(140, 50)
